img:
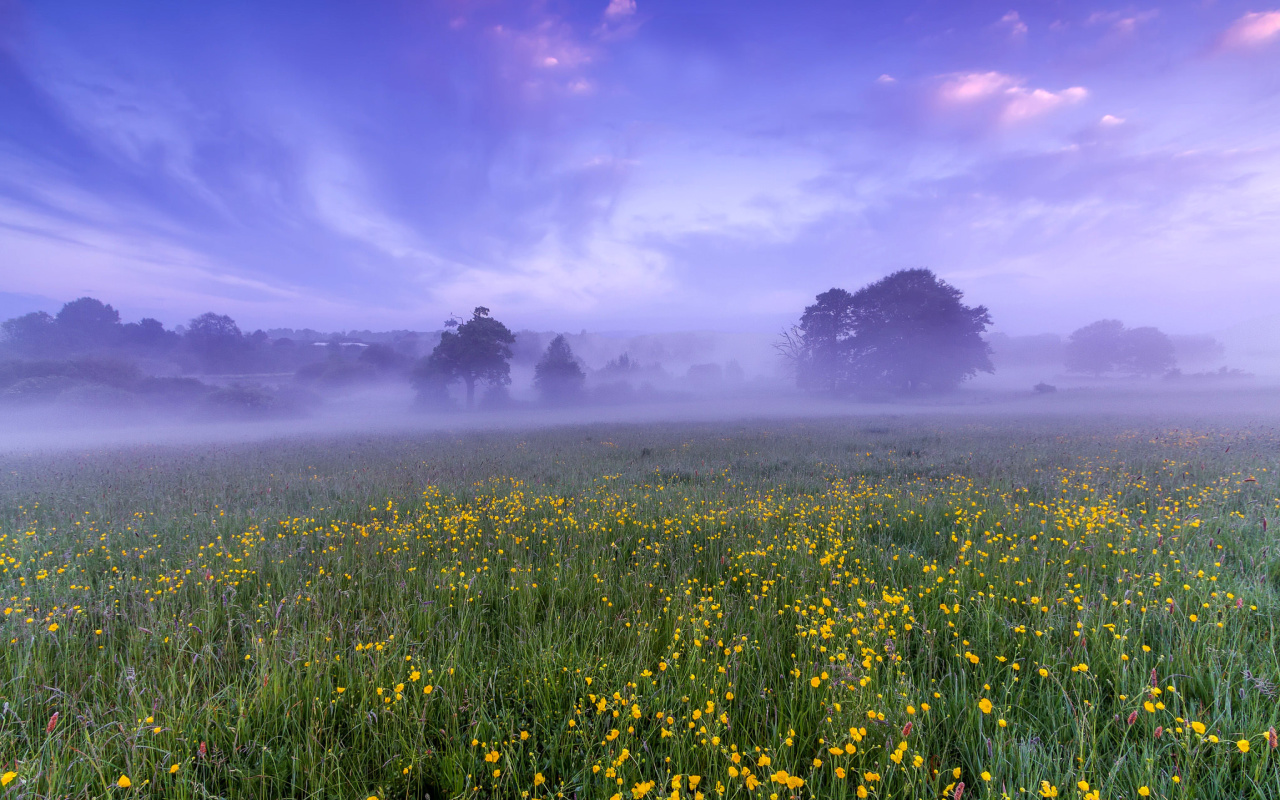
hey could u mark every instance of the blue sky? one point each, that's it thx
(639, 165)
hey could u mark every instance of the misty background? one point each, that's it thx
(85, 365)
(270, 213)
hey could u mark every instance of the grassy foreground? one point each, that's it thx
(823, 609)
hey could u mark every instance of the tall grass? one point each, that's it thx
(808, 609)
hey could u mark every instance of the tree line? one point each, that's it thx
(907, 333)
(911, 332)
(86, 341)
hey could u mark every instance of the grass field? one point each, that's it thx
(842, 608)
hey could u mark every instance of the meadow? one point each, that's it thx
(887, 607)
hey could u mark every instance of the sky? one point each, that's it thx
(639, 165)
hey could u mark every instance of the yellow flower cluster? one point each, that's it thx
(684, 636)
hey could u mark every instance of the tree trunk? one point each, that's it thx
(471, 392)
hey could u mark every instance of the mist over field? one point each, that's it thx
(83, 375)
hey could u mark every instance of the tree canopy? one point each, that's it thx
(32, 334)
(1107, 345)
(87, 322)
(1146, 351)
(216, 340)
(1095, 348)
(906, 332)
(475, 351)
(81, 325)
(88, 327)
(557, 376)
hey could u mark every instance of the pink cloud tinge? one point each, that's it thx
(1015, 101)
(1252, 30)
(1013, 23)
(1123, 23)
(620, 8)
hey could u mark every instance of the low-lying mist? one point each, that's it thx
(391, 410)
(83, 378)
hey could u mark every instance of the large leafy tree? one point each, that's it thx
(147, 334)
(87, 323)
(216, 341)
(1147, 351)
(1107, 345)
(31, 334)
(824, 333)
(1095, 348)
(475, 351)
(557, 375)
(907, 332)
(82, 324)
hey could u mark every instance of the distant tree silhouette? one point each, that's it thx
(87, 323)
(146, 334)
(216, 341)
(557, 375)
(1107, 345)
(32, 334)
(906, 332)
(479, 350)
(1095, 348)
(622, 365)
(1146, 351)
(385, 358)
(84, 324)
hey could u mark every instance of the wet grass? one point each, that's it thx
(837, 608)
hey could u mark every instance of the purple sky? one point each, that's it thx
(635, 164)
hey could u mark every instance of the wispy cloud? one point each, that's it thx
(1013, 25)
(1123, 22)
(1009, 99)
(618, 20)
(618, 9)
(1255, 29)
